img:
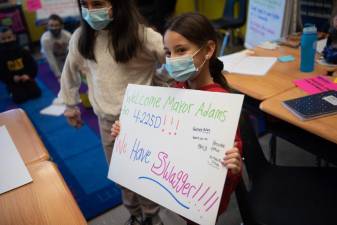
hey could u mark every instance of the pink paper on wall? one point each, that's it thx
(315, 85)
(33, 5)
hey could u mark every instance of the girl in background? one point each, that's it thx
(117, 49)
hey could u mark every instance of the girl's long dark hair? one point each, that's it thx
(124, 33)
(197, 29)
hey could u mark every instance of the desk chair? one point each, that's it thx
(279, 195)
(229, 21)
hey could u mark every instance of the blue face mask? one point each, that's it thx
(98, 19)
(182, 68)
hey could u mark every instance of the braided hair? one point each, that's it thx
(197, 29)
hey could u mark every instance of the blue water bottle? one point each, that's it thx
(308, 48)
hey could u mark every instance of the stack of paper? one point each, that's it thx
(242, 63)
(314, 85)
(321, 45)
(322, 61)
(13, 172)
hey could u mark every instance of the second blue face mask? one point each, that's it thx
(182, 68)
(98, 19)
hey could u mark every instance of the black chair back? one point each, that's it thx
(254, 158)
(254, 161)
(229, 9)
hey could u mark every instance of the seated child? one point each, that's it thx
(18, 68)
(330, 50)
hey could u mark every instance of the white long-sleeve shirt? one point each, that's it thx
(55, 50)
(107, 80)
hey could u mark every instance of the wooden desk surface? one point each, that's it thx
(277, 80)
(24, 136)
(45, 201)
(325, 127)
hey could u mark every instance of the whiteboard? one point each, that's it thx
(171, 144)
(265, 21)
(63, 8)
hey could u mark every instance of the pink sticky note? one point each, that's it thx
(33, 5)
(315, 85)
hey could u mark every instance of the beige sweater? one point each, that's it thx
(107, 80)
(55, 50)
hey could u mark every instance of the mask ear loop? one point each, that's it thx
(202, 64)
(95, 10)
(197, 51)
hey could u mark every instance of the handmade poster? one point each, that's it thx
(171, 145)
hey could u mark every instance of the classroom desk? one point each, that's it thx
(325, 127)
(24, 136)
(45, 201)
(277, 80)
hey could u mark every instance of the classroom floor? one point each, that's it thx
(287, 154)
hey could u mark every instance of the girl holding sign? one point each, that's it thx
(191, 45)
(118, 49)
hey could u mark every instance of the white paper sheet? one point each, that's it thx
(249, 65)
(53, 110)
(232, 59)
(269, 45)
(320, 45)
(13, 172)
(325, 63)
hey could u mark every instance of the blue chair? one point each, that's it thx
(230, 21)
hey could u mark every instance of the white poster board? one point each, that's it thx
(63, 8)
(265, 21)
(171, 144)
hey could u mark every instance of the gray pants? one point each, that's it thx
(137, 205)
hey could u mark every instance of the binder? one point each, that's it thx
(313, 106)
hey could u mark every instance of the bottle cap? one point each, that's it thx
(309, 29)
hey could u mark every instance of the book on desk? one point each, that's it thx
(313, 106)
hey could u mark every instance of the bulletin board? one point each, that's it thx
(63, 8)
(12, 16)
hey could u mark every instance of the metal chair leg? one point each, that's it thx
(272, 148)
(224, 43)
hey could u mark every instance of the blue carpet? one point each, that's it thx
(77, 152)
